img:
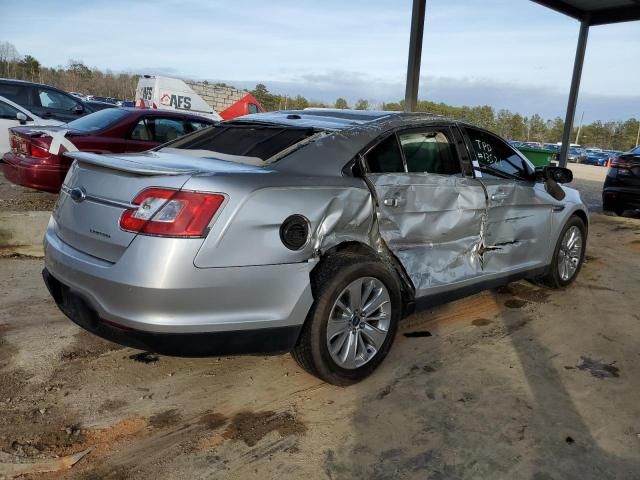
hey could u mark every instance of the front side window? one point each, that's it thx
(57, 100)
(253, 108)
(496, 158)
(429, 151)
(7, 111)
(385, 157)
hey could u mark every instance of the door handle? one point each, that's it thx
(499, 196)
(390, 202)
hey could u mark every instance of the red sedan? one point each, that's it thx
(36, 158)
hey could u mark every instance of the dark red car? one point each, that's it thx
(36, 158)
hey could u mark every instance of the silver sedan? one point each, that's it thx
(310, 231)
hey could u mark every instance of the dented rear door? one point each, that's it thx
(430, 215)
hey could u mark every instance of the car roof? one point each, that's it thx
(26, 82)
(339, 119)
(156, 112)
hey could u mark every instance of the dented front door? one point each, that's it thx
(518, 223)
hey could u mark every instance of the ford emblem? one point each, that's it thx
(78, 194)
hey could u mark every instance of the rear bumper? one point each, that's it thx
(256, 341)
(622, 196)
(155, 294)
(28, 172)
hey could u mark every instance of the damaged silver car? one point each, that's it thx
(310, 231)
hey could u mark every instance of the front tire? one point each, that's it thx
(568, 255)
(353, 321)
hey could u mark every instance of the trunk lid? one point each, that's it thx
(99, 188)
(629, 169)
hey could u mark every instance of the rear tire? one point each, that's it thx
(335, 329)
(567, 261)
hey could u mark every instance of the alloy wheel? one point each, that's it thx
(570, 253)
(359, 322)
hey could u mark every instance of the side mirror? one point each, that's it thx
(559, 174)
(552, 176)
(22, 118)
(78, 109)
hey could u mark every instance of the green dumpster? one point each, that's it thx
(539, 157)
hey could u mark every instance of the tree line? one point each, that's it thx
(77, 77)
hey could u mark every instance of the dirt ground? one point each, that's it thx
(517, 383)
(19, 199)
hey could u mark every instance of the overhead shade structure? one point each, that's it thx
(587, 12)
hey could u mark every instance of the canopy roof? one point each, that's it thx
(596, 12)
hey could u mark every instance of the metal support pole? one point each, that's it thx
(573, 92)
(415, 54)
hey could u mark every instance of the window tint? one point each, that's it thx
(15, 93)
(429, 151)
(496, 158)
(157, 129)
(98, 121)
(57, 100)
(245, 139)
(385, 157)
(7, 111)
(253, 108)
(167, 129)
(193, 125)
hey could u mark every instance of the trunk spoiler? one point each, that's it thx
(139, 164)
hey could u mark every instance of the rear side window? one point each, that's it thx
(253, 108)
(429, 151)
(158, 129)
(193, 125)
(261, 141)
(385, 157)
(16, 93)
(98, 121)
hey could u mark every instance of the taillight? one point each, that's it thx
(39, 151)
(14, 143)
(171, 213)
(620, 162)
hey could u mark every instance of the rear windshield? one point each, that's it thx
(99, 120)
(257, 141)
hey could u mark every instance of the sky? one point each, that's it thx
(511, 54)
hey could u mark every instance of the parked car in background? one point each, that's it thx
(13, 115)
(48, 102)
(576, 155)
(97, 98)
(37, 159)
(597, 158)
(311, 231)
(621, 189)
